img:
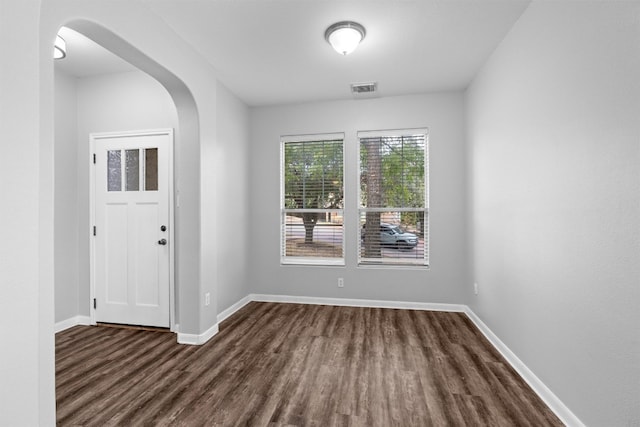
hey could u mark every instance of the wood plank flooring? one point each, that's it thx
(295, 365)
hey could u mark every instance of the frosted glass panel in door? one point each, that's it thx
(133, 170)
(114, 170)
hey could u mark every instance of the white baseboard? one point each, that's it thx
(71, 322)
(198, 339)
(193, 339)
(552, 401)
(235, 307)
(359, 302)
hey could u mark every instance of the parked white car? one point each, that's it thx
(393, 235)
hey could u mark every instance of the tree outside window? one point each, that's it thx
(313, 201)
(393, 198)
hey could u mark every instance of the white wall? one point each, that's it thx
(447, 279)
(26, 213)
(112, 103)
(66, 213)
(555, 153)
(232, 228)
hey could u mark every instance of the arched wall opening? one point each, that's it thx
(28, 165)
(186, 140)
(95, 92)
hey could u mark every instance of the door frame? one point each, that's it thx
(93, 139)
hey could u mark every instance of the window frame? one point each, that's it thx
(299, 260)
(390, 262)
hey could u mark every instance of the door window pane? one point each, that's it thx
(151, 169)
(114, 174)
(133, 170)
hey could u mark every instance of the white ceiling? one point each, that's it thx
(86, 58)
(274, 52)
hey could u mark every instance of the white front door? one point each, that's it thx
(131, 247)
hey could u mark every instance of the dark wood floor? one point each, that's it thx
(295, 365)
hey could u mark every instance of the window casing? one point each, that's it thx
(312, 199)
(393, 198)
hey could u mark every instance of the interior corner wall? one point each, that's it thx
(554, 144)
(232, 163)
(66, 212)
(27, 390)
(112, 103)
(446, 280)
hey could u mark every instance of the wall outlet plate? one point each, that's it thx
(340, 282)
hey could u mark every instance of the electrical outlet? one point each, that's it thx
(340, 282)
(475, 288)
(207, 298)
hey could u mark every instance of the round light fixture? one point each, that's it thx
(59, 48)
(345, 36)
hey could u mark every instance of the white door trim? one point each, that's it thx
(93, 137)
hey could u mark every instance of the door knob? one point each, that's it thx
(162, 242)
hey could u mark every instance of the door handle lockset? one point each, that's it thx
(162, 242)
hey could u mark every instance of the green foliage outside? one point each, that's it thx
(313, 179)
(392, 175)
(400, 162)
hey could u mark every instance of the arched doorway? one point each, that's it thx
(28, 94)
(101, 92)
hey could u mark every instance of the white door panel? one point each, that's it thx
(149, 254)
(131, 251)
(115, 253)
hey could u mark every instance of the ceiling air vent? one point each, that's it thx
(364, 90)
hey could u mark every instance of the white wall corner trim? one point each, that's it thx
(551, 400)
(235, 307)
(198, 339)
(359, 302)
(71, 322)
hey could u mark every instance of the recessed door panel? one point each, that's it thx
(150, 255)
(116, 248)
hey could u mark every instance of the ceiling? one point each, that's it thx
(273, 51)
(86, 58)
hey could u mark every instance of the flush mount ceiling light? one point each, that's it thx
(345, 36)
(59, 48)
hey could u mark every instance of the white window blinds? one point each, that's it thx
(312, 194)
(393, 198)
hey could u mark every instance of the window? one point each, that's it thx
(312, 194)
(138, 165)
(393, 198)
